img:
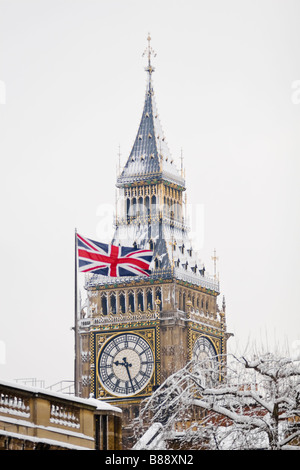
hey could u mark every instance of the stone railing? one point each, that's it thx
(208, 282)
(216, 319)
(14, 404)
(210, 318)
(93, 280)
(154, 216)
(33, 418)
(67, 416)
(112, 318)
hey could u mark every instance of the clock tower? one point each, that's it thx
(136, 331)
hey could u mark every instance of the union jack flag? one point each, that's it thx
(112, 260)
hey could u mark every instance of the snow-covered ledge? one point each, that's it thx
(32, 417)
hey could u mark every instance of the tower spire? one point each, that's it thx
(150, 157)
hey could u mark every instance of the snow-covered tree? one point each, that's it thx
(247, 404)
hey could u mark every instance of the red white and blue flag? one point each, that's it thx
(112, 260)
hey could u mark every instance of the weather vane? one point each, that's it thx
(149, 51)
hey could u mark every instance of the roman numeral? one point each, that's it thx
(117, 384)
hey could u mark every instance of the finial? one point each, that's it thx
(119, 162)
(149, 51)
(181, 158)
(215, 258)
(223, 304)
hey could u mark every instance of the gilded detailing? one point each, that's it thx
(173, 308)
(178, 314)
(140, 344)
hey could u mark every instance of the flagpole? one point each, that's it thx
(76, 321)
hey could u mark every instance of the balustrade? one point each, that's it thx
(14, 404)
(64, 415)
(158, 273)
(31, 418)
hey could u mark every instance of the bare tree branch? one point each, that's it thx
(250, 403)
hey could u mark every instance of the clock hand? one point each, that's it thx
(128, 372)
(126, 365)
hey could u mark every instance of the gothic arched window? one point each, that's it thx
(131, 301)
(158, 296)
(140, 301)
(128, 208)
(147, 205)
(153, 204)
(149, 299)
(140, 207)
(113, 303)
(133, 207)
(104, 304)
(122, 302)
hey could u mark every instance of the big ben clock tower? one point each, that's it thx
(138, 330)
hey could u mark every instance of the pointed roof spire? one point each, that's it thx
(150, 157)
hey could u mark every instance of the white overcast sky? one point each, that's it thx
(227, 85)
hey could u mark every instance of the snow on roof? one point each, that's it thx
(98, 404)
(150, 156)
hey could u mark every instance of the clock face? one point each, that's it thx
(125, 364)
(204, 355)
(203, 349)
